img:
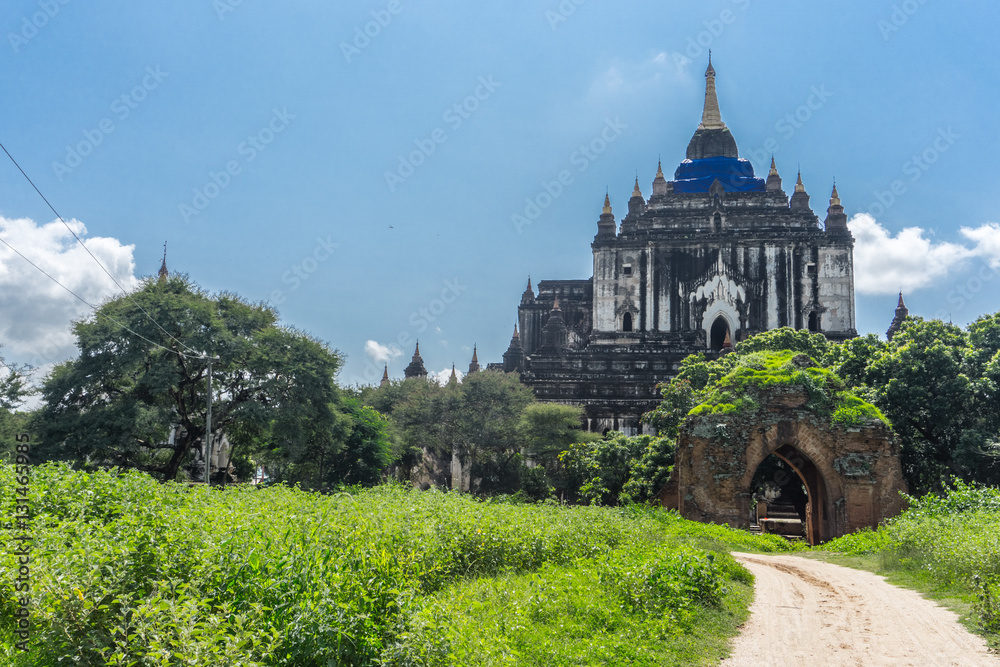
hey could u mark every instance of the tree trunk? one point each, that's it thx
(173, 465)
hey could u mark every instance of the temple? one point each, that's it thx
(708, 259)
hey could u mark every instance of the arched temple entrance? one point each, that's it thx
(852, 475)
(720, 329)
(785, 482)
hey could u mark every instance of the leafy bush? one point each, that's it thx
(126, 570)
(950, 541)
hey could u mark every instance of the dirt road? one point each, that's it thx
(807, 612)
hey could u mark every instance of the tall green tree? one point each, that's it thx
(14, 389)
(550, 428)
(119, 401)
(932, 381)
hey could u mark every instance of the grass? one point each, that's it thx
(127, 571)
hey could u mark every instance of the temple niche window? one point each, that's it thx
(717, 223)
(814, 322)
(720, 331)
(627, 270)
(627, 322)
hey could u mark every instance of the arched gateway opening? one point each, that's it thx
(720, 330)
(789, 496)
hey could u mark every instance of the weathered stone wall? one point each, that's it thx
(853, 474)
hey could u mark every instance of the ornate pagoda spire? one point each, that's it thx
(416, 367)
(836, 219)
(528, 296)
(513, 358)
(162, 275)
(474, 364)
(712, 138)
(637, 203)
(454, 376)
(606, 226)
(711, 117)
(902, 312)
(773, 179)
(660, 185)
(555, 333)
(385, 376)
(800, 198)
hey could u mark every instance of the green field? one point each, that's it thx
(128, 571)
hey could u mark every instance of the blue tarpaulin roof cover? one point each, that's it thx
(735, 174)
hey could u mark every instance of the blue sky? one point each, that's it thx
(311, 154)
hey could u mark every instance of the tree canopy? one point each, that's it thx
(934, 382)
(136, 396)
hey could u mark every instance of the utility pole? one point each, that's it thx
(208, 427)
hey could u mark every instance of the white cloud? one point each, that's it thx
(442, 377)
(884, 264)
(35, 313)
(987, 238)
(382, 354)
(623, 78)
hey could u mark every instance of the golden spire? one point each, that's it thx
(774, 169)
(711, 117)
(798, 184)
(555, 306)
(162, 275)
(607, 204)
(636, 192)
(834, 198)
(659, 169)
(516, 335)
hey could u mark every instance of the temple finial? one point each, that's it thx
(711, 117)
(774, 168)
(607, 203)
(636, 192)
(798, 184)
(834, 197)
(162, 275)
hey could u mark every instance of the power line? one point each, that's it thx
(80, 241)
(94, 308)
